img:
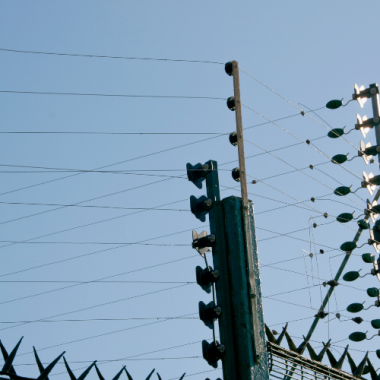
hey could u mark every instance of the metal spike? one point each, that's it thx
(281, 336)
(5, 356)
(332, 359)
(352, 363)
(371, 370)
(39, 364)
(361, 366)
(118, 374)
(269, 333)
(70, 372)
(341, 360)
(182, 376)
(85, 373)
(150, 374)
(302, 346)
(292, 346)
(128, 375)
(47, 370)
(323, 351)
(312, 353)
(99, 374)
(8, 363)
(158, 376)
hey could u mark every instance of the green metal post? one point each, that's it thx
(246, 300)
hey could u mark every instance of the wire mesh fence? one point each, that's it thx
(285, 364)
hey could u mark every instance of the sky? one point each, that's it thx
(64, 230)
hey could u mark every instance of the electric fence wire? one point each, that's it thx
(134, 327)
(53, 210)
(107, 277)
(145, 244)
(94, 243)
(95, 206)
(76, 227)
(291, 134)
(146, 353)
(312, 208)
(118, 281)
(316, 256)
(307, 277)
(171, 317)
(109, 95)
(108, 56)
(332, 276)
(152, 133)
(103, 320)
(106, 360)
(293, 237)
(291, 172)
(98, 280)
(72, 258)
(319, 151)
(150, 154)
(246, 106)
(128, 214)
(336, 201)
(105, 133)
(143, 156)
(302, 274)
(309, 253)
(135, 318)
(329, 128)
(302, 111)
(100, 335)
(78, 204)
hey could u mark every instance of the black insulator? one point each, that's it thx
(236, 174)
(228, 68)
(233, 138)
(206, 277)
(231, 103)
(333, 283)
(212, 352)
(326, 215)
(308, 141)
(200, 207)
(208, 313)
(311, 166)
(315, 225)
(358, 320)
(321, 251)
(197, 173)
(321, 314)
(312, 199)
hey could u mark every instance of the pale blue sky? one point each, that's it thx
(309, 52)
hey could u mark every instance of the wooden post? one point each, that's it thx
(252, 277)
